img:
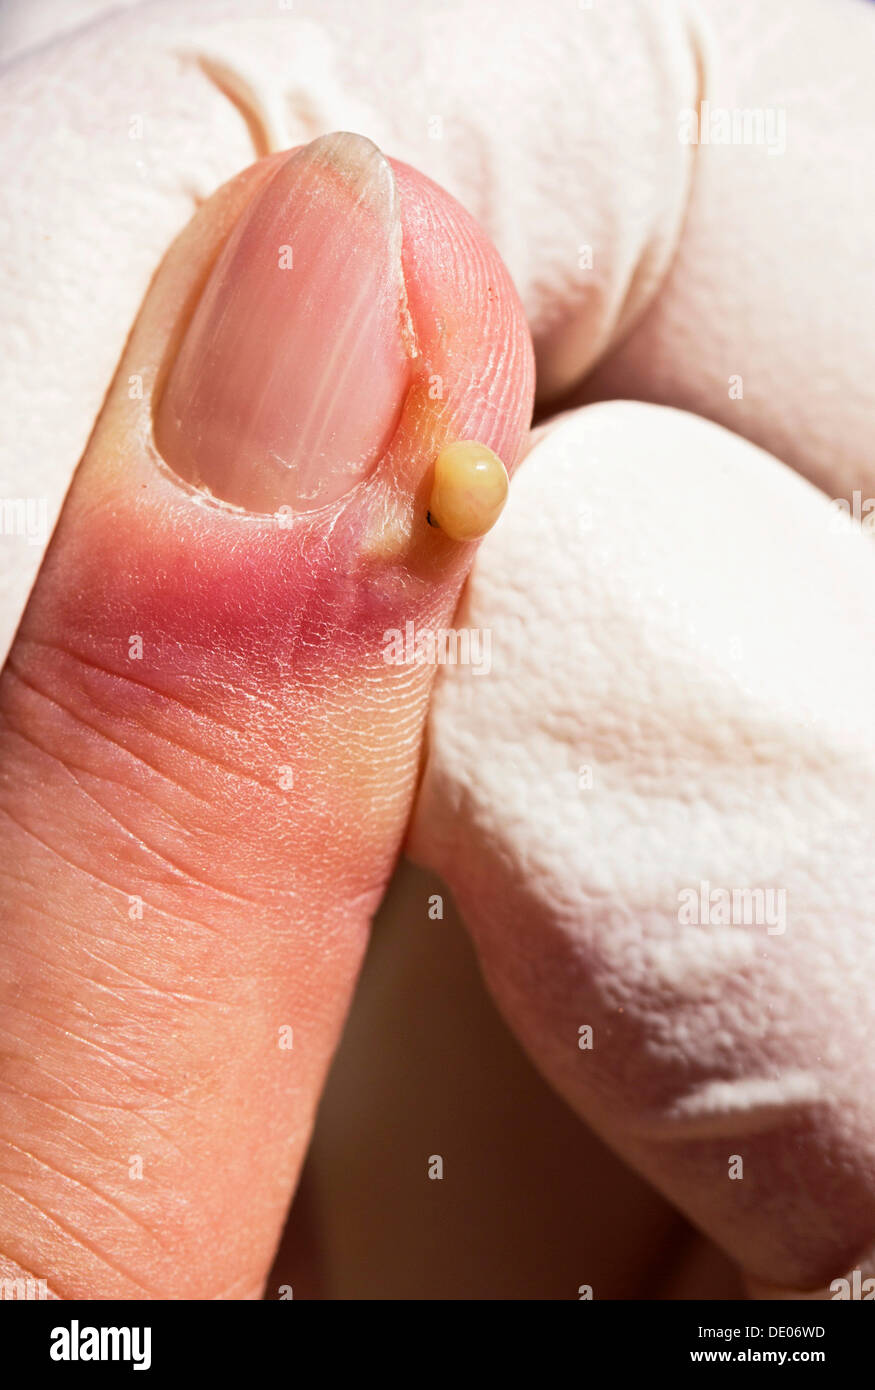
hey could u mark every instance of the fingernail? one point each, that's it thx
(292, 373)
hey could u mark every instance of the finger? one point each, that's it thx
(655, 812)
(194, 96)
(207, 760)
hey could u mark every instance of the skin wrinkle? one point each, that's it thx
(78, 773)
(111, 1104)
(73, 1183)
(142, 1107)
(77, 1237)
(235, 769)
(105, 1054)
(180, 874)
(151, 999)
(68, 1116)
(80, 660)
(148, 987)
(180, 877)
(114, 1107)
(41, 911)
(147, 1106)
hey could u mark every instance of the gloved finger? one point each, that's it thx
(655, 808)
(765, 322)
